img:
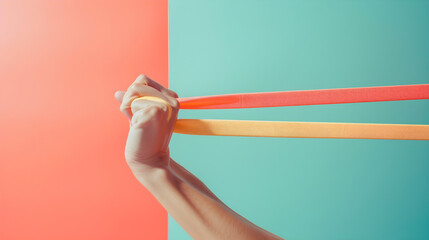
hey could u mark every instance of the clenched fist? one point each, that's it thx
(152, 121)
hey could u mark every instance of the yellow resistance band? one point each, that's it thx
(301, 129)
(296, 129)
(155, 99)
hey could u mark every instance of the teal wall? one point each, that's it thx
(307, 188)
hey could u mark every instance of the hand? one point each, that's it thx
(151, 123)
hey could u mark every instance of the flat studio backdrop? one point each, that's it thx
(62, 136)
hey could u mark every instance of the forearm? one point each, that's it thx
(192, 180)
(201, 215)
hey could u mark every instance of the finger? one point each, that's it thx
(141, 90)
(148, 100)
(145, 110)
(138, 90)
(119, 95)
(141, 103)
(143, 79)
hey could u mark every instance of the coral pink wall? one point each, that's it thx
(62, 170)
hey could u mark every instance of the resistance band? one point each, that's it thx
(307, 97)
(156, 99)
(302, 129)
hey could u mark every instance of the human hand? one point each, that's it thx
(151, 122)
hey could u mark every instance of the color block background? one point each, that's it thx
(62, 136)
(307, 188)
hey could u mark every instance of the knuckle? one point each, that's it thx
(123, 109)
(174, 103)
(138, 114)
(135, 106)
(143, 79)
(150, 112)
(158, 110)
(174, 94)
(141, 76)
(139, 117)
(135, 87)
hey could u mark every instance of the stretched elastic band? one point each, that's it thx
(301, 129)
(308, 97)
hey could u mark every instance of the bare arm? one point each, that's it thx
(202, 216)
(182, 194)
(196, 183)
(192, 180)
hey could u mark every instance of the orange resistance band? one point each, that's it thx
(308, 97)
(301, 129)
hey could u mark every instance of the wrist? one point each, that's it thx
(148, 171)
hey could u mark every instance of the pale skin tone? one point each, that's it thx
(201, 214)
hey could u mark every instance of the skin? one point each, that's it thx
(201, 214)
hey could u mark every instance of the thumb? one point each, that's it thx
(119, 95)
